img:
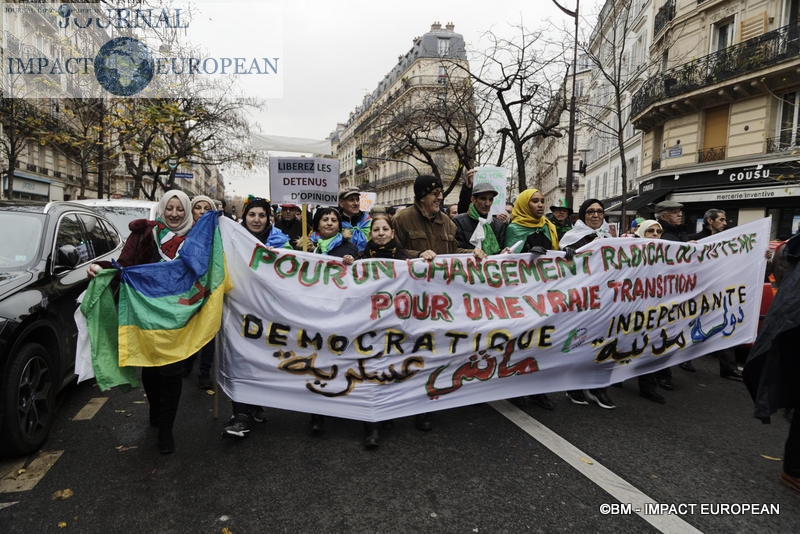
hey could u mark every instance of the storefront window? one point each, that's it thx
(785, 222)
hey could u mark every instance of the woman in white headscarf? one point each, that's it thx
(591, 225)
(153, 242)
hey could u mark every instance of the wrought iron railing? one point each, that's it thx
(711, 154)
(749, 56)
(782, 143)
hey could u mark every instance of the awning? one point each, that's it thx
(32, 177)
(643, 200)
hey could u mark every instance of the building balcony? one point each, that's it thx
(782, 143)
(656, 164)
(711, 154)
(759, 65)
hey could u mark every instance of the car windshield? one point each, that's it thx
(20, 235)
(120, 216)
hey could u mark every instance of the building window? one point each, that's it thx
(444, 47)
(722, 35)
(604, 192)
(442, 77)
(789, 119)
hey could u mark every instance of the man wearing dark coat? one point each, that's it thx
(466, 223)
(772, 371)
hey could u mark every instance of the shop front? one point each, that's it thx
(28, 186)
(746, 193)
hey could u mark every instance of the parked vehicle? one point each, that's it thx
(122, 211)
(45, 249)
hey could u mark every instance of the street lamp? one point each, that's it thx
(571, 141)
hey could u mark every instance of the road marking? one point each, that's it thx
(617, 487)
(91, 409)
(19, 476)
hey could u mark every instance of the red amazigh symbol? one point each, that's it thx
(202, 292)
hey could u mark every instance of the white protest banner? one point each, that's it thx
(382, 338)
(304, 180)
(497, 177)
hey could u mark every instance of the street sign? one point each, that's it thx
(184, 175)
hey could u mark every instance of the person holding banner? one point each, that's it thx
(529, 227)
(530, 231)
(200, 205)
(591, 225)
(255, 217)
(474, 227)
(381, 244)
(152, 242)
(327, 239)
(354, 221)
(423, 229)
(327, 236)
(648, 383)
(669, 215)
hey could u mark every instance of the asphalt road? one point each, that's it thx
(701, 461)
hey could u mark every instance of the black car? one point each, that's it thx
(45, 249)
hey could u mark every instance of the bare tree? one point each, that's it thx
(514, 79)
(433, 123)
(619, 61)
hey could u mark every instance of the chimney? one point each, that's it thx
(436, 26)
(450, 26)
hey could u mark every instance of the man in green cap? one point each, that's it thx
(561, 215)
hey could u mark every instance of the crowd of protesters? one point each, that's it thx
(428, 228)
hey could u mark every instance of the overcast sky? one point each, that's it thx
(335, 52)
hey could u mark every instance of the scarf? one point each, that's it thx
(581, 231)
(323, 246)
(523, 224)
(167, 241)
(389, 250)
(480, 238)
(360, 231)
(277, 239)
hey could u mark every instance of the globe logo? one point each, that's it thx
(123, 66)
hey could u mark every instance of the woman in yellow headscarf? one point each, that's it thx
(529, 225)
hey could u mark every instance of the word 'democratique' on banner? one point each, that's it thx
(381, 339)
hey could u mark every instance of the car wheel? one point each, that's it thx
(28, 400)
